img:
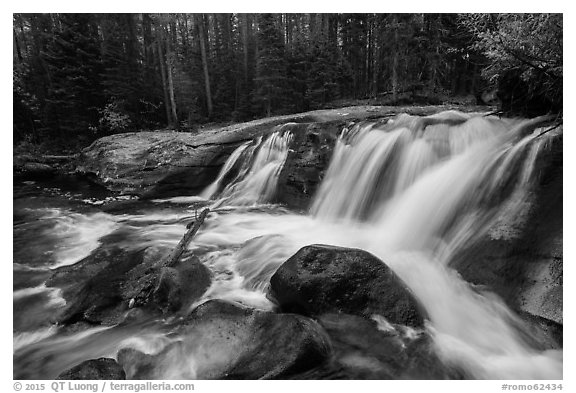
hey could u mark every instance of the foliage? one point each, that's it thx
(113, 120)
(75, 74)
(526, 47)
(271, 66)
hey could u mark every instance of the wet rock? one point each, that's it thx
(541, 333)
(180, 286)
(321, 279)
(221, 340)
(310, 153)
(101, 288)
(522, 260)
(374, 349)
(96, 369)
(167, 163)
(91, 287)
(137, 365)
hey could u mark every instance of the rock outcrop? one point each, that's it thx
(167, 163)
(521, 259)
(308, 159)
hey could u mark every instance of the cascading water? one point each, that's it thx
(412, 192)
(257, 176)
(228, 165)
(414, 195)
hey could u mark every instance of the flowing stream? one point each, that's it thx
(413, 192)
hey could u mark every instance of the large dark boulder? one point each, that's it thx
(221, 340)
(95, 369)
(320, 279)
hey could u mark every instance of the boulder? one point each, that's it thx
(180, 286)
(101, 288)
(222, 340)
(321, 279)
(95, 369)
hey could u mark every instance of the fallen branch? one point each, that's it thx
(58, 158)
(193, 227)
(154, 277)
(548, 130)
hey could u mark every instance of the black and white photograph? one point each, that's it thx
(287, 196)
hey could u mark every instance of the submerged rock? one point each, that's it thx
(95, 369)
(321, 279)
(374, 349)
(221, 340)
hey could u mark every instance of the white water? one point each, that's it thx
(413, 195)
(228, 165)
(258, 173)
(54, 296)
(77, 235)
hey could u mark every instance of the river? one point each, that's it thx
(413, 192)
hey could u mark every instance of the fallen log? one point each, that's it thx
(156, 286)
(192, 227)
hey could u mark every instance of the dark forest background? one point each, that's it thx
(77, 77)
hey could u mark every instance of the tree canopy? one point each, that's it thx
(80, 76)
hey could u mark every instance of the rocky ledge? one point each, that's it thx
(168, 163)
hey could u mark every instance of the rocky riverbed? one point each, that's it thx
(264, 293)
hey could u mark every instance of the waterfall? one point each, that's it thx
(258, 169)
(427, 186)
(228, 165)
(422, 193)
(414, 192)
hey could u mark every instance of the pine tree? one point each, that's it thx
(73, 59)
(271, 66)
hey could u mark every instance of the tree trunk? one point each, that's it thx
(17, 51)
(147, 39)
(245, 39)
(163, 75)
(169, 63)
(395, 63)
(375, 63)
(201, 35)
